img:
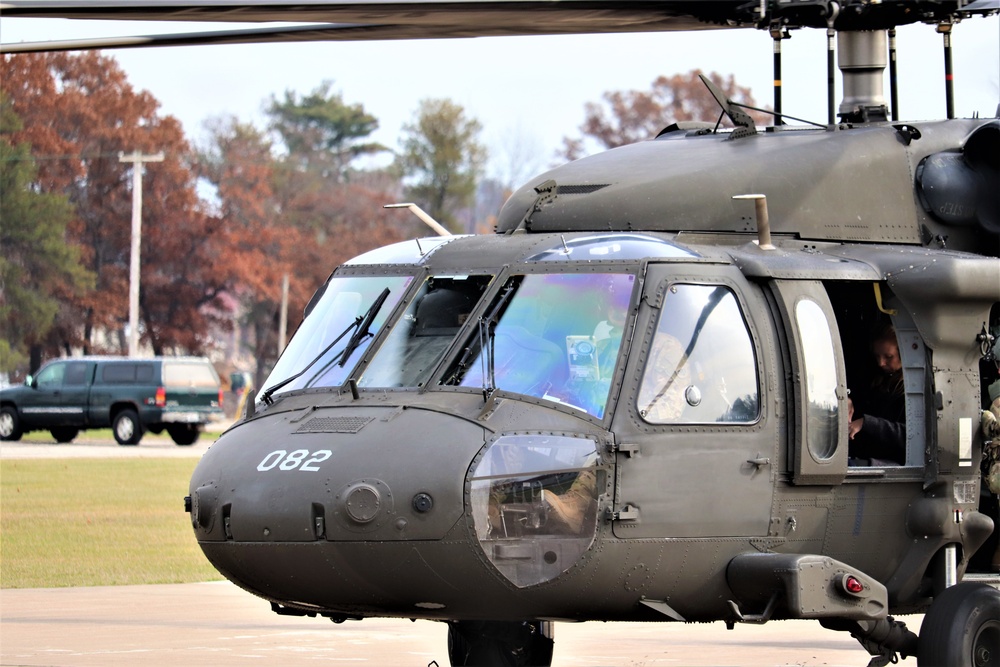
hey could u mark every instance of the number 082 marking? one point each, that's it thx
(296, 460)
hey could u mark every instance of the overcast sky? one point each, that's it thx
(528, 92)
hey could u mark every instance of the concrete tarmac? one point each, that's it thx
(219, 625)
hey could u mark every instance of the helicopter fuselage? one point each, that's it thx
(644, 417)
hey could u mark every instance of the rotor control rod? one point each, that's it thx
(831, 35)
(777, 34)
(949, 78)
(893, 89)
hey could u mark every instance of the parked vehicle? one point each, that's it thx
(132, 396)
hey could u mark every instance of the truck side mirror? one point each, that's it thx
(30, 381)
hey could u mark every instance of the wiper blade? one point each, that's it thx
(360, 323)
(487, 334)
(363, 331)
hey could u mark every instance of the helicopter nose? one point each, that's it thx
(335, 475)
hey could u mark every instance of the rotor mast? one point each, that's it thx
(862, 57)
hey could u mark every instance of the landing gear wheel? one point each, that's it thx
(10, 425)
(127, 429)
(498, 644)
(183, 434)
(962, 628)
(64, 434)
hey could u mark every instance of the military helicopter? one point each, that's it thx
(635, 401)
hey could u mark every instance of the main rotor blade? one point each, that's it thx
(352, 32)
(419, 19)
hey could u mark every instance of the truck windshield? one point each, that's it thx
(339, 311)
(192, 375)
(551, 336)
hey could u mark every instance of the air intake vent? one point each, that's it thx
(335, 425)
(579, 189)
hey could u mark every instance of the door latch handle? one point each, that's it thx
(759, 461)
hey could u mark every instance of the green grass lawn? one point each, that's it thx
(97, 522)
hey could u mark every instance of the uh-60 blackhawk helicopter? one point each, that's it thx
(639, 399)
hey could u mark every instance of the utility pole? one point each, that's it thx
(137, 159)
(283, 317)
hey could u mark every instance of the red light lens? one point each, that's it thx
(161, 397)
(853, 585)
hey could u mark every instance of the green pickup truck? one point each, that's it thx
(131, 395)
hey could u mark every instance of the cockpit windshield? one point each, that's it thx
(419, 340)
(346, 318)
(551, 336)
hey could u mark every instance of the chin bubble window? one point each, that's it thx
(534, 504)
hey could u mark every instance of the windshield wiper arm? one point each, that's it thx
(364, 330)
(361, 322)
(487, 333)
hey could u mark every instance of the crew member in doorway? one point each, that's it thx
(878, 422)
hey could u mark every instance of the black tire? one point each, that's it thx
(183, 434)
(64, 434)
(962, 628)
(126, 427)
(498, 644)
(10, 424)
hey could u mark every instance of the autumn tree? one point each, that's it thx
(276, 226)
(440, 152)
(79, 113)
(323, 133)
(625, 117)
(318, 186)
(38, 268)
(239, 162)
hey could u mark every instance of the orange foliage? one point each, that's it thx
(79, 112)
(625, 117)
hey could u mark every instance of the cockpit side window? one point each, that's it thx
(701, 366)
(555, 337)
(419, 340)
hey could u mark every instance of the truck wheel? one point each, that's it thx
(962, 628)
(183, 434)
(64, 434)
(10, 424)
(127, 428)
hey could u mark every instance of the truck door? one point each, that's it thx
(696, 428)
(75, 394)
(60, 395)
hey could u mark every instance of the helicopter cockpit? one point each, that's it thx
(550, 332)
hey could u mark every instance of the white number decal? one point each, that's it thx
(293, 460)
(282, 460)
(268, 464)
(318, 457)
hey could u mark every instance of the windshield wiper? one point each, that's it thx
(487, 329)
(364, 330)
(487, 333)
(361, 324)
